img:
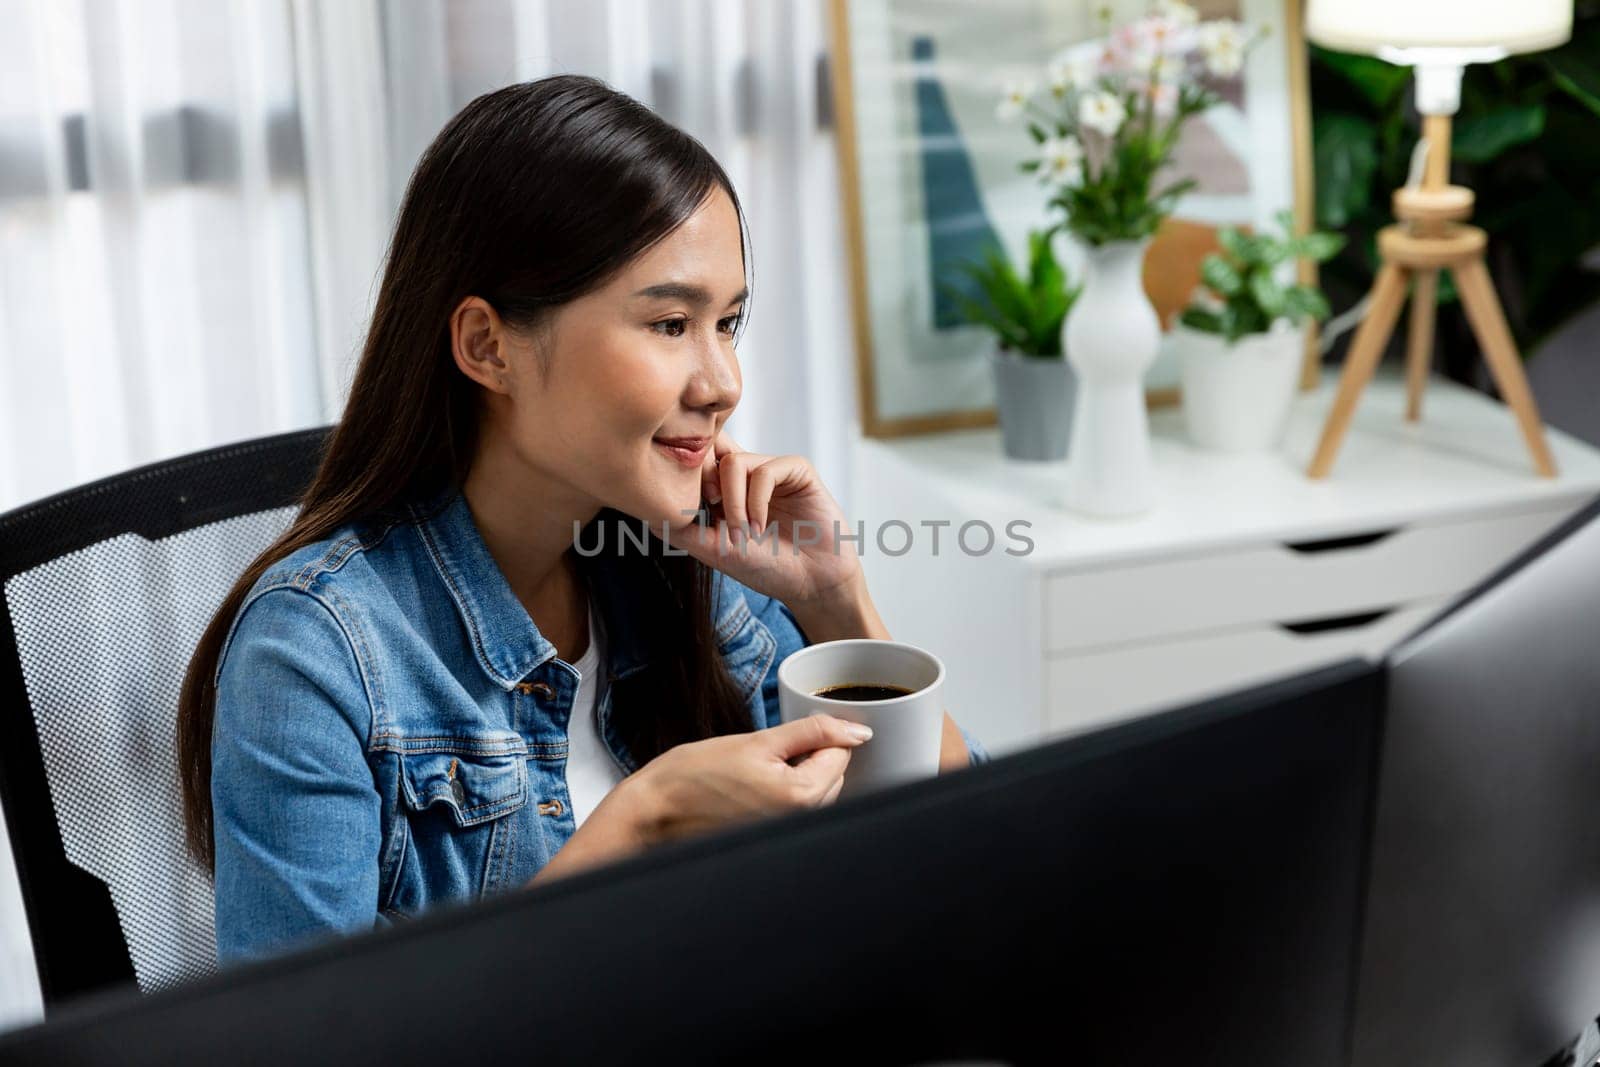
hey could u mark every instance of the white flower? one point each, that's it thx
(1163, 97)
(1079, 71)
(1155, 39)
(1061, 161)
(1178, 11)
(1166, 70)
(1101, 112)
(1159, 77)
(1141, 60)
(1225, 60)
(1014, 100)
(1157, 35)
(1223, 42)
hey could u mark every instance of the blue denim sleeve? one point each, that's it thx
(777, 618)
(295, 809)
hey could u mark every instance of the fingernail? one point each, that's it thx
(859, 731)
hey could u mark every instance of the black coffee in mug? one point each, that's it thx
(852, 691)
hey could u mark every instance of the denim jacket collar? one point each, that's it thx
(505, 640)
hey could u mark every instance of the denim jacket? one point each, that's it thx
(391, 728)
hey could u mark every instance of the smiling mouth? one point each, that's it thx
(688, 451)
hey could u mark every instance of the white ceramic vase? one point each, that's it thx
(1111, 336)
(1236, 397)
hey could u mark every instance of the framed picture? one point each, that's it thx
(929, 175)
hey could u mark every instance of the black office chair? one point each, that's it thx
(104, 592)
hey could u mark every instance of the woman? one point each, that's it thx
(463, 667)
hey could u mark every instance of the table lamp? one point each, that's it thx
(1438, 38)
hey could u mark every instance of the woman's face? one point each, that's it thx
(620, 398)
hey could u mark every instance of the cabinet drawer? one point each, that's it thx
(1092, 688)
(1271, 583)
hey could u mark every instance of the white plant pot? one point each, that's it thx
(1236, 397)
(1111, 336)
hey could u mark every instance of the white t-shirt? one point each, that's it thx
(591, 772)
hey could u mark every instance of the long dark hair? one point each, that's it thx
(530, 197)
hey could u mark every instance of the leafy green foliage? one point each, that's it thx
(1345, 158)
(1479, 138)
(1575, 73)
(1378, 80)
(1244, 293)
(1523, 141)
(1024, 312)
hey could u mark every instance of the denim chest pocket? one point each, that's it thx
(473, 787)
(464, 807)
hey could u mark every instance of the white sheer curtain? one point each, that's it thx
(154, 297)
(154, 292)
(195, 197)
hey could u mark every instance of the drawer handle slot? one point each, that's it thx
(1334, 544)
(1337, 622)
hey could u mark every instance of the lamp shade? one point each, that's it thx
(1368, 25)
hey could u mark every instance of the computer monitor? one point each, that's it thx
(1182, 889)
(1482, 933)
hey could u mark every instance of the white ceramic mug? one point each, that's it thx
(907, 731)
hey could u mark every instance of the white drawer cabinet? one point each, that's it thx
(1244, 571)
(1095, 687)
(1280, 582)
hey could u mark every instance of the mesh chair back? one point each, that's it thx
(104, 592)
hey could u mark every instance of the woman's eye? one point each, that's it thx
(676, 327)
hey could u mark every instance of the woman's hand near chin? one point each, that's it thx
(791, 550)
(776, 528)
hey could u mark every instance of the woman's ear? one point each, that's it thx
(478, 341)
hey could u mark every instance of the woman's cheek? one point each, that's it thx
(648, 394)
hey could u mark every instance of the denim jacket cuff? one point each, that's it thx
(976, 753)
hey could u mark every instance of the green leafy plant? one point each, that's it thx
(1024, 311)
(1523, 141)
(1241, 293)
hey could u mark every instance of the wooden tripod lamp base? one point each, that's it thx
(1432, 238)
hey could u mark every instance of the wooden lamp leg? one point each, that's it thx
(1388, 293)
(1500, 352)
(1419, 351)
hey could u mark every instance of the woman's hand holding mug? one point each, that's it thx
(702, 785)
(706, 784)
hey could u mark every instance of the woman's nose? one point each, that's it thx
(715, 385)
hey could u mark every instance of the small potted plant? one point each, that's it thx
(1237, 342)
(1032, 382)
